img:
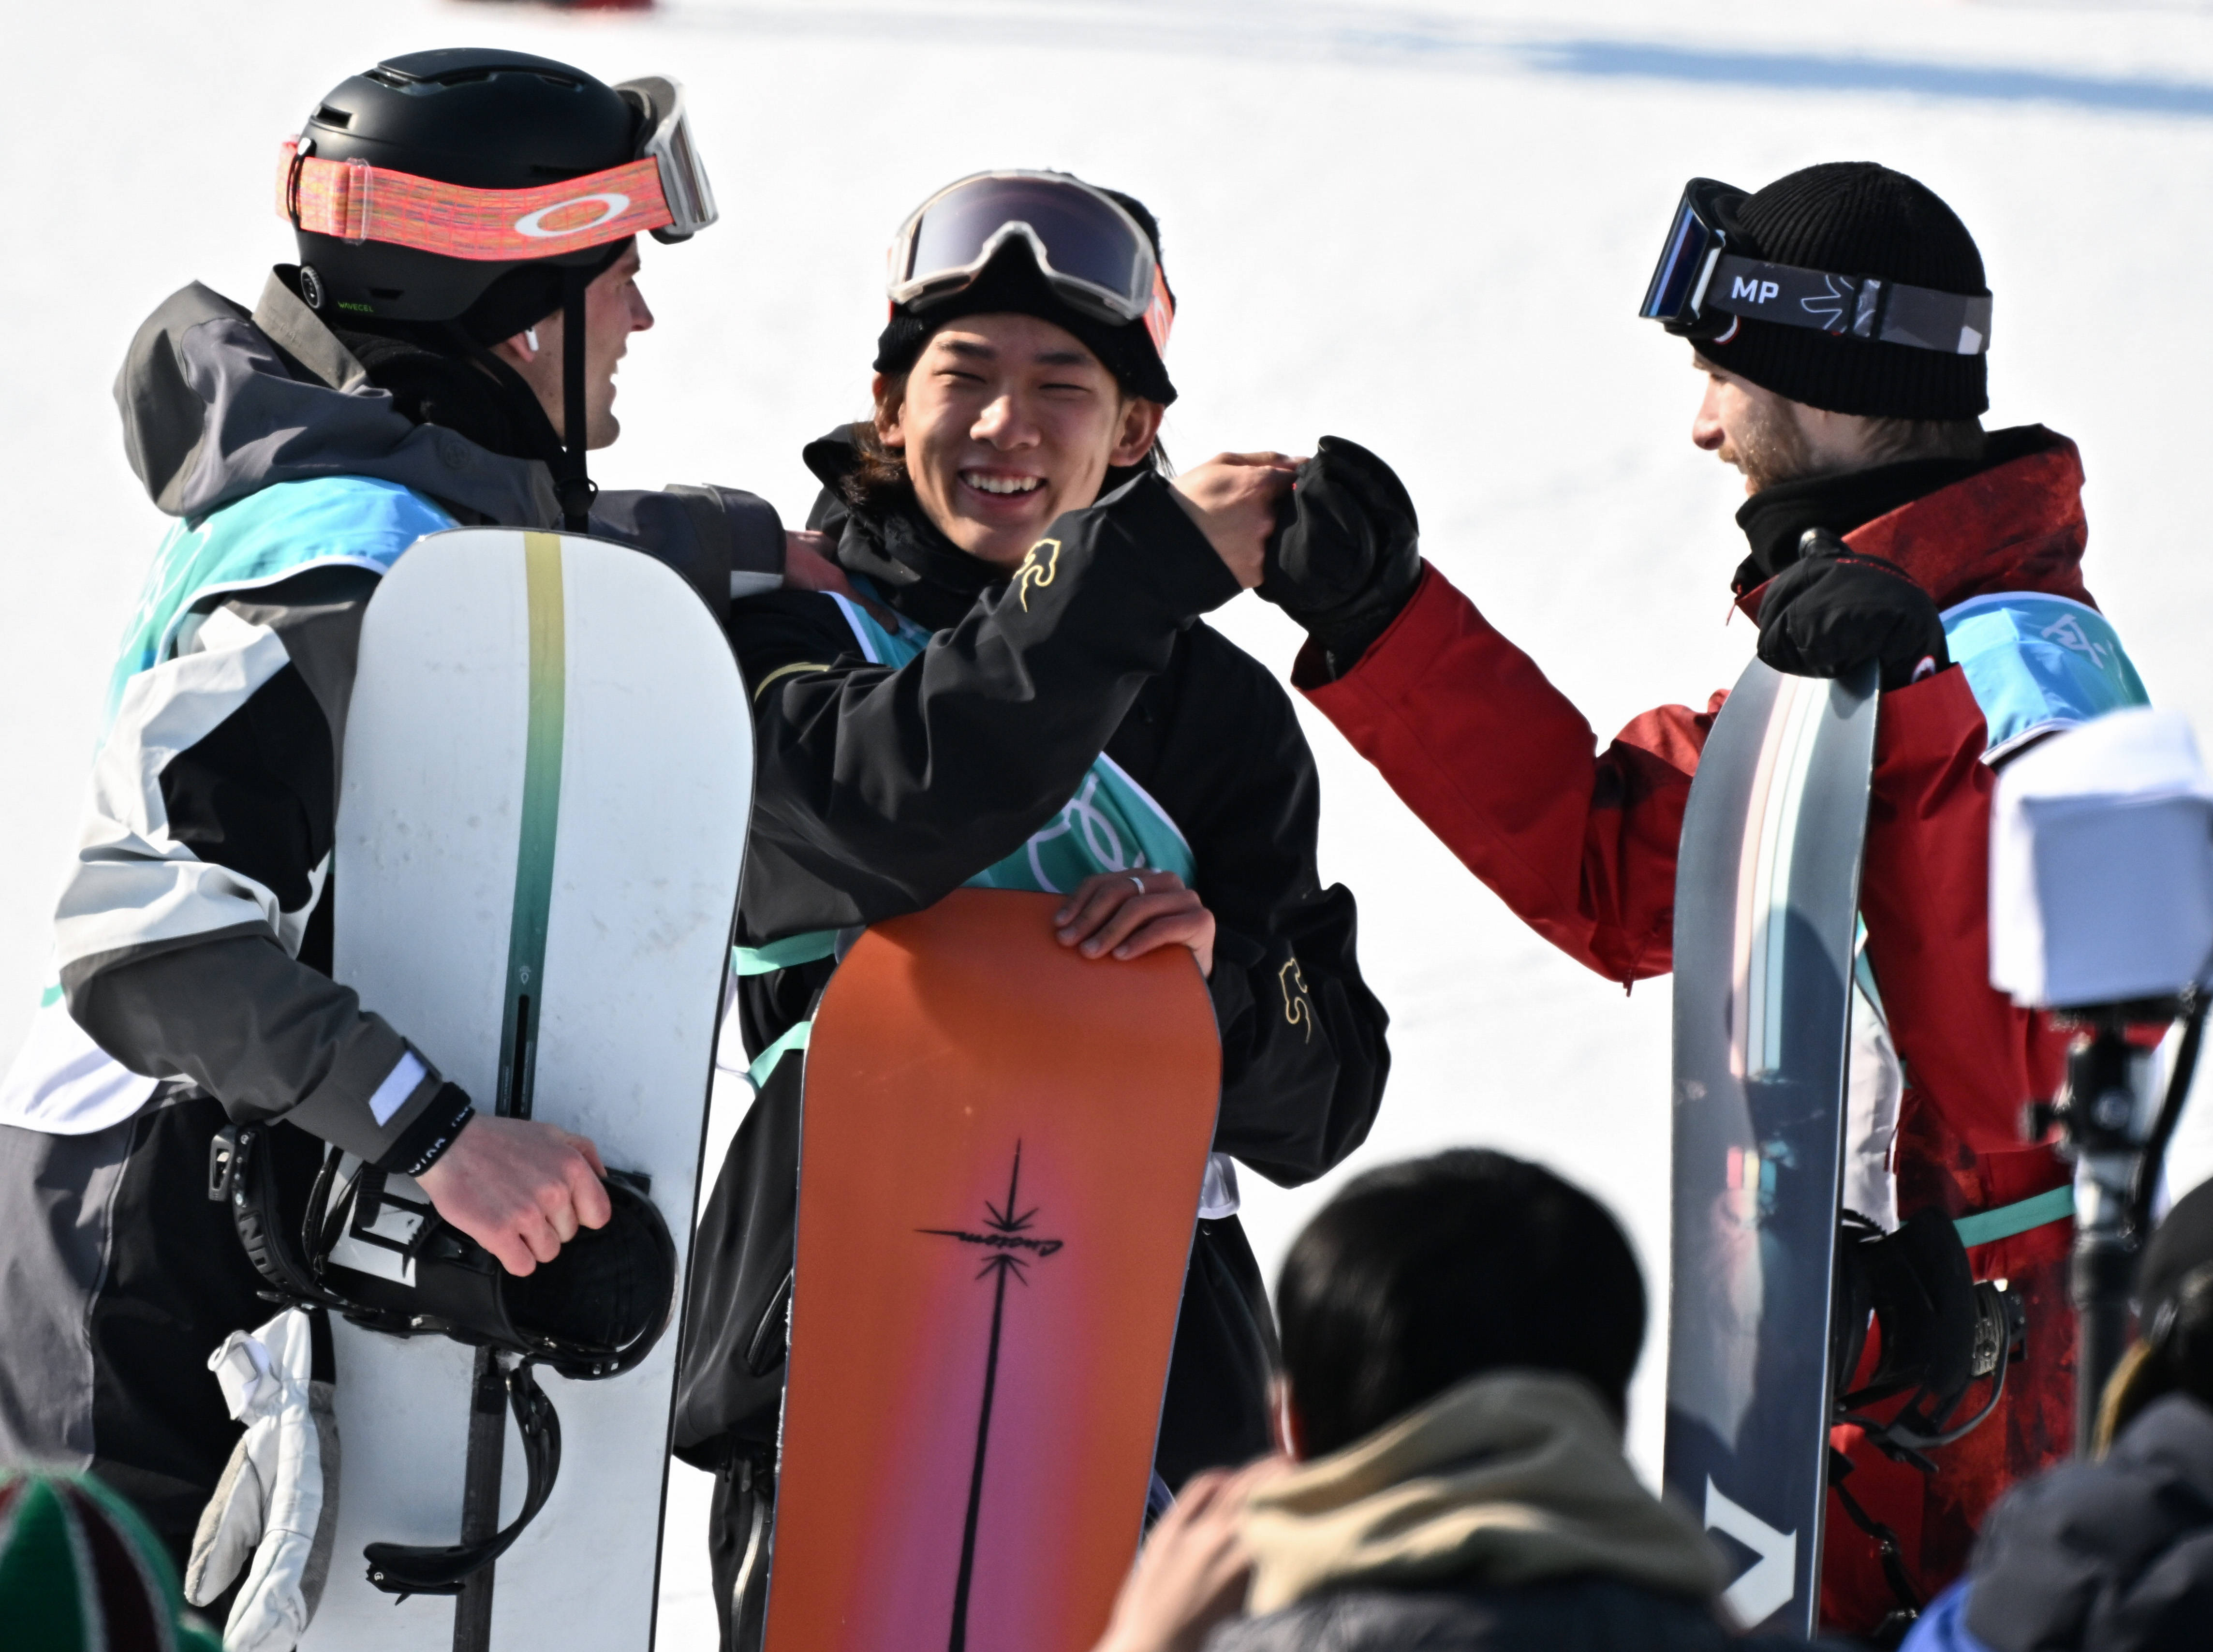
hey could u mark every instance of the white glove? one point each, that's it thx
(276, 1502)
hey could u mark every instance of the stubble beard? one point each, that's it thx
(1768, 448)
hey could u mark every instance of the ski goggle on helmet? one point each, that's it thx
(664, 189)
(1702, 286)
(1094, 255)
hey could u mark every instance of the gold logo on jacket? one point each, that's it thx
(1296, 1009)
(1037, 569)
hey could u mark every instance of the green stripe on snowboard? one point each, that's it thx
(541, 812)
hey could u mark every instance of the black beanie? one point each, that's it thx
(1011, 284)
(1856, 218)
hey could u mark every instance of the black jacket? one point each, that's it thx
(880, 790)
(2115, 1555)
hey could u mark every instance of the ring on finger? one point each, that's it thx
(1139, 882)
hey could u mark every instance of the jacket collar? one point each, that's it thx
(919, 571)
(218, 404)
(2015, 525)
(1511, 1478)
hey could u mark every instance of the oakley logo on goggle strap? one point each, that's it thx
(572, 218)
(357, 202)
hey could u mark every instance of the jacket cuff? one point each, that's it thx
(1930, 722)
(1180, 563)
(746, 524)
(373, 1092)
(1396, 659)
(437, 1121)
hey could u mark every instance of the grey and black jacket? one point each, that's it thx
(193, 934)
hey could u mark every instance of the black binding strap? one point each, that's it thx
(410, 1568)
(1901, 1617)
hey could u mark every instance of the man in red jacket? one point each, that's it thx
(1839, 316)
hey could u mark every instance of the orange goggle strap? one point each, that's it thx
(355, 202)
(1160, 314)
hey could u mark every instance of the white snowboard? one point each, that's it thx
(641, 700)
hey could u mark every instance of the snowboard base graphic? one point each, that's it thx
(1766, 904)
(1001, 1157)
(548, 766)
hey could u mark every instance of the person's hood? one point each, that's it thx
(2010, 521)
(892, 540)
(914, 566)
(1510, 1478)
(218, 403)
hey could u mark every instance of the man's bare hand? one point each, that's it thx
(1131, 913)
(810, 563)
(1195, 1568)
(1232, 498)
(520, 1187)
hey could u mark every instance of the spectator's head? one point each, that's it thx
(80, 1572)
(2173, 1350)
(1421, 1275)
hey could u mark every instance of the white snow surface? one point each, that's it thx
(1423, 227)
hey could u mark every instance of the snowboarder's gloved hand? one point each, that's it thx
(1834, 609)
(1348, 556)
(276, 1508)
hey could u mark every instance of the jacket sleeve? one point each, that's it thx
(1579, 843)
(206, 853)
(880, 789)
(724, 542)
(1970, 1055)
(1303, 1053)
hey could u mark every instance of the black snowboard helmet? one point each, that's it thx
(472, 193)
(483, 119)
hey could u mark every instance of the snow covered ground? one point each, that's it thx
(1425, 227)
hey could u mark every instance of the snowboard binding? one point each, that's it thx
(1941, 1332)
(386, 1260)
(358, 1245)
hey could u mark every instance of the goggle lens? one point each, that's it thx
(1681, 261)
(684, 183)
(1081, 236)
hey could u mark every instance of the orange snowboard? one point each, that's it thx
(1000, 1161)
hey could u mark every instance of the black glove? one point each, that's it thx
(1347, 556)
(1835, 609)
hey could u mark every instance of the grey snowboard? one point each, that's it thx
(1766, 903)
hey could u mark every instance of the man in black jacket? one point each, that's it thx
(1010, 642)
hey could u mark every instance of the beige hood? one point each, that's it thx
(1514, 1476)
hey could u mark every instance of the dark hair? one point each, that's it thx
(1894, 439)
(1420, 1275)
(879, 483)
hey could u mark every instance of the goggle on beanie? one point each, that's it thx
(1012, 284)
(1857, 218)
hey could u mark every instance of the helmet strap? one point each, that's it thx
(545, 441)
(573, 484)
